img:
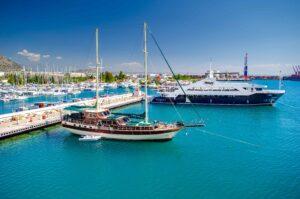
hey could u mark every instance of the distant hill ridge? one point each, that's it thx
(7, 65)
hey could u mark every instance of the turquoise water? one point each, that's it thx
(243, 152)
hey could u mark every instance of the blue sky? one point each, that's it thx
(190, 32)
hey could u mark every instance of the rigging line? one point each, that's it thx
(229, 138)
(176, 110)
(180, 117)
(165, 59)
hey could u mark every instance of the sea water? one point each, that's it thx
(242, 152)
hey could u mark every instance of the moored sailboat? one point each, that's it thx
(101, 122)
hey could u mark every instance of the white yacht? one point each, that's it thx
(111, 86)
(209, 91)
(123, 85)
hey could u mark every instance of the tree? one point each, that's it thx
(15, 79)
(108, 77)
(121, 76)
(52, 80)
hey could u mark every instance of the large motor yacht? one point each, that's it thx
(210, 91)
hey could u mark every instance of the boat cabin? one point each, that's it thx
(93, 116)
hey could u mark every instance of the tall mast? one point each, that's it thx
(146, 72)
(97, 71)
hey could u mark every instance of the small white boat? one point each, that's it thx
(5, 99)
(22, 108)
(152, 85)
(133, 85)
(111, 86)
(90, 138)
(123, 85)
(21, 97)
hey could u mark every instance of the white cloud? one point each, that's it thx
(58, 57)
(131, 64)
(46, 56)
(35, 57)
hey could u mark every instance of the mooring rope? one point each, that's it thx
(229, 138)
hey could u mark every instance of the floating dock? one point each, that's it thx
(12, 124)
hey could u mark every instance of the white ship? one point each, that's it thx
(212, 92)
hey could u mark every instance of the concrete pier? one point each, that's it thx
(21, 122)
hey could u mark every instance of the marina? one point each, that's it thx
(264, 154)
(57, 131)
(150, 99)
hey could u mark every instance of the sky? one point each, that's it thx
(61, 34)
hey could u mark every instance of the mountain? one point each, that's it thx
(7, 65)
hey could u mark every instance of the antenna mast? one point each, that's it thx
(146, 72)
(246, 67)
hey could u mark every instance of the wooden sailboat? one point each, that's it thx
(100, 122)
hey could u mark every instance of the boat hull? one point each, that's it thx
(255, 99)
(155, 136)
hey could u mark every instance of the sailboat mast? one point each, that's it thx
(146, 72)
(97, 71)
